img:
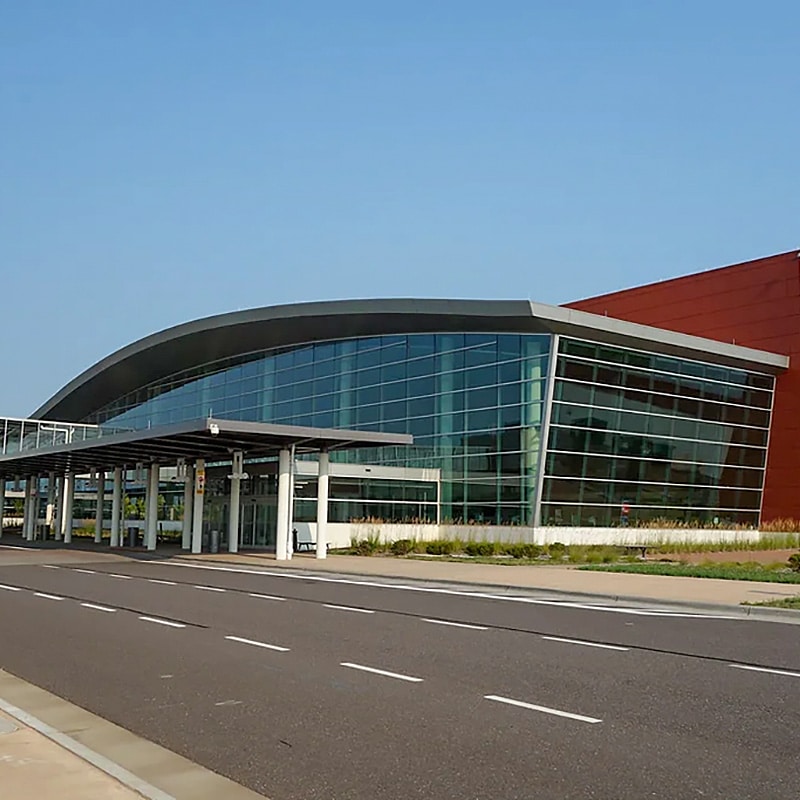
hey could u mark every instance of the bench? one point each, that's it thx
(302, 541)
(642, 548)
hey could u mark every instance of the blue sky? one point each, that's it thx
(161, 161)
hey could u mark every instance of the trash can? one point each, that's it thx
(214, 541)
(133, 536)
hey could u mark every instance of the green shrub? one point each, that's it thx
(556, 550)
(480, 548)
(439, 547)
(522, 550)
(403, 547)
(367, 547)
(794, 562)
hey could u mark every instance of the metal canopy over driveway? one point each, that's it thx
(207, 438)
(198, 441)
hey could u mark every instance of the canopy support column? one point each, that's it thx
(98, 515)
(284, 501)
(151, 507)
(322, 504)
(66, 507)
(197, 512)
(116, 507)
(188, 507)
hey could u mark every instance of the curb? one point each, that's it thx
(106, 765)
(786, 615)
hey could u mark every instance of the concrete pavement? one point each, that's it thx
(31, 765)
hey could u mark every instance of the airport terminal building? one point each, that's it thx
(619, 409)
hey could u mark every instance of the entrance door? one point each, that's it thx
(258, 520)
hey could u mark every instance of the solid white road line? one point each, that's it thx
(85, 571)
(210, 589)
(764, 669)
(99, 608)
(268, 597)
(258, 644)
(643, 612)
(123, 577)
(163, 622)
(457, 624)
(164, 583)
(585, 644)
(48, 596)
(544, 709)
(10, 588)
(348, 608)
(397, 675)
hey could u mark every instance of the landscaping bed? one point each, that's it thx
(747, 571)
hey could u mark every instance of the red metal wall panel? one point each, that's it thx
(755, 304)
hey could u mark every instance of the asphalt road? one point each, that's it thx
(267, 679)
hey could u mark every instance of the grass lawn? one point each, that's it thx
(784, 602)
(732, 572)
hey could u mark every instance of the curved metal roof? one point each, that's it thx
(226, 335)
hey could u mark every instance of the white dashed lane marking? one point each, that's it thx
(210, 589)
(544, 709)
(48, 596)
(163, 583)
(348, 608)
(786, 673)
(385, 673)
(457, 624)
(268, 597)
(166, 622)
(99, 608)
(586, 644)
(258, 644)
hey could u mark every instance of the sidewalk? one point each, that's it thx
(50, 748)
(616, 586)
(33, 766)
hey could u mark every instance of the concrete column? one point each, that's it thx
(116, 507)
(322, 504)
(151, 506)
(188, 504)
(32, 509)
(2, 502)
(237, 473)
(197, 511)
(66, 507)
(57, 508)
(98, 515)
(26, 508)
(283, 532)
(51, 502)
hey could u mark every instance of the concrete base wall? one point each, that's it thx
(341, 534)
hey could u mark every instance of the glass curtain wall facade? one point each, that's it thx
(671, 438)
(474, 403)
